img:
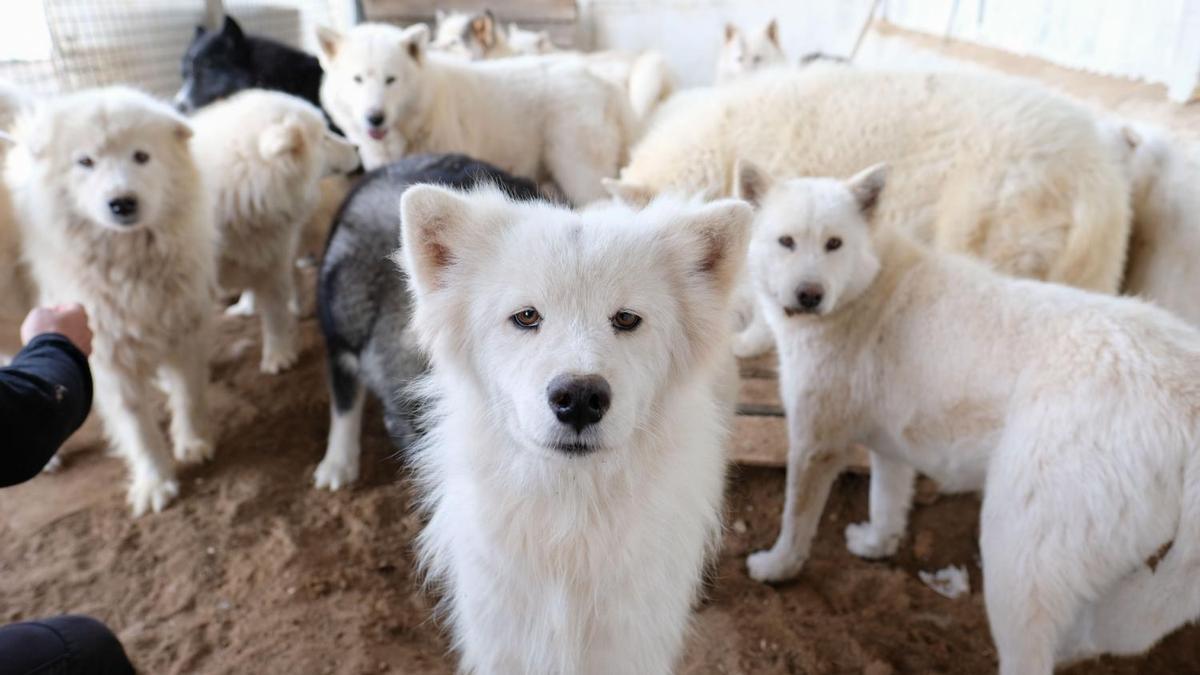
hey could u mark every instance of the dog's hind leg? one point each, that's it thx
(339, 467)
(185, 380)
(125, 405)
(891, 497)
(810, 475)
(1144, 606)
(279, 324)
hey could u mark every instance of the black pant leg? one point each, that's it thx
(61, 645)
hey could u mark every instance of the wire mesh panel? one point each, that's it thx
(65, 45)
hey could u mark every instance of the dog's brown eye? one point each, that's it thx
(833, 244)
(358, 79)
(141, 157)
(626, 320)
(389, 79)
(527, 318)
(787, 242)
(86, 162)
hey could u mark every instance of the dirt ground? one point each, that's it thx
(254, 571)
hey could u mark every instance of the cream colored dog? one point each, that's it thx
(263, 155)
(1074, 413)
(114, 217)
(742, 54)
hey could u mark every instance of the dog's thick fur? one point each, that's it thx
(742, 54)
(1074, 413)
(643, 75)
(1165, 244)
(1000, 170)
(363, 306)
(565, 551)
(262, 155)
(531, 116)
(220, 63)
(146, 281)
(16, 288)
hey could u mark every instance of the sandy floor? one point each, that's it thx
(253, 571)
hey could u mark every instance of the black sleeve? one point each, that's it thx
(45, 395)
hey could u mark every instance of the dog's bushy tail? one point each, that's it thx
(649, 84)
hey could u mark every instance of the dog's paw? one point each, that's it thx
(333, 474)
(771, 567)
(243, 307)
(865, 541)
(193, 451)
(151, 494)
(278, 360)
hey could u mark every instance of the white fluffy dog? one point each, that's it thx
(114, 216)
(532, 116)
(574, 466)
(1075, 413)
(1165, 244)
(16, 290)
(263, 155)
(742, 54)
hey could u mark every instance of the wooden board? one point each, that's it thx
(761, 440)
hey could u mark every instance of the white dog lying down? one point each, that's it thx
(1075, 413)
(581, 393)
(531, 116)
(114, 216)
(262, 155)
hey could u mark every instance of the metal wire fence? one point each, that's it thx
(49, 46)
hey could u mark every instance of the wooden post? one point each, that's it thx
(214, 13)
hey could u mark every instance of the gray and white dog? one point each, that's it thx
(363, 302)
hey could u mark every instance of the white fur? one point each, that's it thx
(1165, 244)
(644, 76)
(742, 54)
(1073, 412)
(571, 563)
(16, 289)
(263, 155)
(531, 116)
(1000, 170)
(147, 286)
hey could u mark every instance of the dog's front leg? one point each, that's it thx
(125, 406)
(185, 380)
(891, 497)
(279, 324)
(811, 471)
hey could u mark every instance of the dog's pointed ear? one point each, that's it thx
(630, 194)
(433, 223)
(867, 187)
(285, 137)
(415, 39)
(231, 31)
(718, 234)
(731, 32)
(772, 31)
(200, 31)
(329, 40)
(750, 183)
(183, 130)
(483, 28)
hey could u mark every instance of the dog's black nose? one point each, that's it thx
(375, 118)
(579, 400)
(123, 207)
(810, 295)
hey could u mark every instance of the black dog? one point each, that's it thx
(221, 63)
(363, 304)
